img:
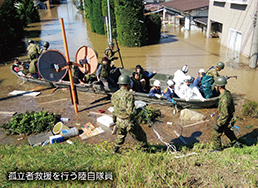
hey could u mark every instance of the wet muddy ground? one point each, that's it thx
(58, 101)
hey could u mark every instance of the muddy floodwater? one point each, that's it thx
(175, 49)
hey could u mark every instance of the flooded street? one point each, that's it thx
(176, 48)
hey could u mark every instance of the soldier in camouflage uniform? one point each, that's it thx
(109, 53)
(33, 50)
(124, 113)
(226, 117)
(103, 72)
(45, 47)
(209, 78)
(213, 72)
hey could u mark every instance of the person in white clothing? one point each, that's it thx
(179, 77)
(188, 91)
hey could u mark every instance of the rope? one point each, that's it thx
(170, 147)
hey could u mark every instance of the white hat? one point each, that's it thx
(157, 83)
(188, 78)
(170, 83)
(185, 69)
(201, 71)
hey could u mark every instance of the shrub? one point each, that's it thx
(89, 13)
(31, 123)
(11, 28)
(250, 108)
(153, 26)
(97, 13)
(28, 12)
(130, 31)
(153, 115)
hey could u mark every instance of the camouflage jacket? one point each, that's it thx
(226, 108)
(123, 102)
(110, 54)
(213, 73)
(33, 51)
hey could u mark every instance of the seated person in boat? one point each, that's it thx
(145, 76)
(208, 79)
(198, 79)
(80, 72)
(16, 63)
(103, 72)
(187, 91)
(169, 92)
(136, 84)
(155, 91)
(20, 68)
(179, 77)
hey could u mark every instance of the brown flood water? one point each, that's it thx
(178, 49)
(174, 51)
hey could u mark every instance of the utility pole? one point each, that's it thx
(109, 21)
(254, 50)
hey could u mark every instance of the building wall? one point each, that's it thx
(235, 16)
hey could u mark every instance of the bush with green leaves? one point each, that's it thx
(153, 26)
(153, 115)
(31, 123)
(97, 13)
(88, 7)
(130, 22)
(11, 28)
(28, 12)
(250, 108)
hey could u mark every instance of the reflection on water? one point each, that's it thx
(176, 49)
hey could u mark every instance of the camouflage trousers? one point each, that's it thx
(217, 133)
(132, 127)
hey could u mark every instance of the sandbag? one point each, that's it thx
(187, 114)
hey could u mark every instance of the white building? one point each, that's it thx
(234, 22)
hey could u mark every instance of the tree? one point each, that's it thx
(130, 22)
(153, 25)
(11, 28)
(89, 13)
(97, 13)
(28, 12)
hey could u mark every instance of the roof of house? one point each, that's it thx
(185, 5)
(203, 21)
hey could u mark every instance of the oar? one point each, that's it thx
(119, 54)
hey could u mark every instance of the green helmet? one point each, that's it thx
(220, 65)
(46, 44)
(124, 79)
(30, 41)
(220, 81)
(110, 44)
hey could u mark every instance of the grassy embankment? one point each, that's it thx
(234, 167)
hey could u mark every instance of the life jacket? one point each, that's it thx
(105, 70)
(206, 82)
(136, 84)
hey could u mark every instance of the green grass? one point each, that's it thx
(231, 167)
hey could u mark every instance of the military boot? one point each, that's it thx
(115, 150)
(237, 145)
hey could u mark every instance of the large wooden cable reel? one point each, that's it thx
(90, 55)
(47, 63)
